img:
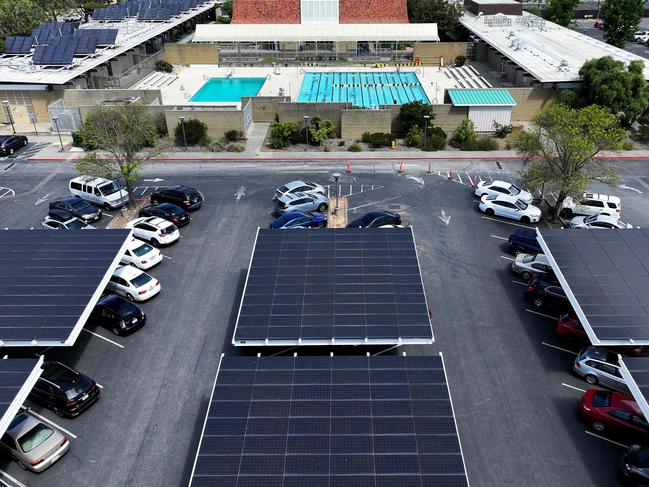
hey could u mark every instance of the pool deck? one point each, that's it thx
(434, 81)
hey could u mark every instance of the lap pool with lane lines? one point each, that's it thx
(365, 89)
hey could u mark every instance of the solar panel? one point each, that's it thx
(18, 45)
(635, 371)
(605, 274)
(330, 421)
(50, 281)
(17, 377)
(333, 286)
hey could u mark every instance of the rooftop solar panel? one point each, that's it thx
(17, 377)
(635, 371)
(51, 280)
(343, 286)
(605, 274)
(330, 421)
(18, 45)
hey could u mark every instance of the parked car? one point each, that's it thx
(641, 36)
(530, 265)
(133, 284)
(11, 143)
(543, 294)
(33, 444)
(184, 196)
(509, 207)
(64, 390)
(570, 330)
(299, 187)
(154, 230)
(634, 465)
(302, 202)
(375, 219)
(168, 211)
(614, 413)
(495, 188)
(300, 220)
(591, 204)
(62, 220)
(524, 240)
(99, 191)
(599, 366)
(599, 221)
(118, 315)
(141, 255)
(78, 208)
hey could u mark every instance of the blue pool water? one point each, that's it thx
(228, 89)
(364, 89)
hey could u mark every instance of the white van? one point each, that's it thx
(99, 191)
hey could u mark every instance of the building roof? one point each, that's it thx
(373, 11)
(314, 32)
(265, 12)
(19, 69)
(17, 378)
(481, 97)
(547, 51)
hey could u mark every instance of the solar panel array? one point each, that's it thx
(145, 10)
(104, 37)
(383, 421)
(347, 285)
(638, 367)
(47, 280)
(13, 375)
(60, 52)
(607, 273)
(18, 44)
(114, 12)
(46, 31)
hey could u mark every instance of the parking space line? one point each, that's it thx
(99, 385)
(605, 439)
(166, 257)
(573, 387)
(52, 423)
(373, 203)
(519, 282)
(5, 474)
(506, 258)
(459, 176)
(507, 223)
(541, 314)
(558, 348)
(103, 338)
(498, 237)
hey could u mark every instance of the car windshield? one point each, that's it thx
(282, 220)
(141, 280)
(370, 217)
(142, 250)
(75, 224)
(173, 210)
(34, 437)
(109, 188)
(127, 310)
(282, 189)
(514, 190)
(591, 219)
(602, 399)
(521, 205)
(529, 258)
(79, 205)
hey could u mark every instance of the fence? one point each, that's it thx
(131, 76)
(68, 118)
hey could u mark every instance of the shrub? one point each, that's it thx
(365, 138)
(354, 148)
(320, 130)
(485, 144)
(464, 137)
(222, 20)
(414, 137)
(437, 132)
(501, 131)
(77, 139)
(627, 145)
(341, 143)
(282, 133)
(433, 143)
(378, 139)
(411, 114)
(235, 148)
(195, 131)
(232, 135)
(326, 147)
(205, 141)
(215, 146)
(460, 60)
(163, 66)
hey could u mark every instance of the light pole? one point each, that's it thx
(56, 124)
(426, 119)
(11, 120)
(32, 117)
(336, 176)
(306, 131)
(182, 125)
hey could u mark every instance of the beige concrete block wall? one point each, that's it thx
(218, 121)
(354, 123)
(75, 98)
(264, 108)
(430, 53)
(187, 54)
(296, 111)
(449, 117)
(529, 101)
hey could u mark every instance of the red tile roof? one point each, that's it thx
(266, 12)
(373, 12)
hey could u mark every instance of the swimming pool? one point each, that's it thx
(364, 89)
(228, 89)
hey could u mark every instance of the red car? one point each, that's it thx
(599, 24)
(569, 329)
(614, 413)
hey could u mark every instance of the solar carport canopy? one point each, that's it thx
(635, 371)
(323, 421)
(605, 275)
(17, 377)
(51, 280)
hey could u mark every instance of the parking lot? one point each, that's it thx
(514, 396)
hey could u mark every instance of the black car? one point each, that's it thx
(184, 196)
(547, 294)
(634, 465)
(168, 211)
(118, 315)
(60, 215)
(77, 207)
(64, 390)
(376, 219)
(524, 240)
(11, 143)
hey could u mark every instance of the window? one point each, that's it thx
(509, 205)
(106, 313)
(595, 203)
(141, 280)
(35, 437)
(515, 190)
(609, 369)
(521, 205)
(611, 205)
(620, 415)
(639, 422)
(538, 267)
(96, 192)
(529, 258)
(499, 190)
(76, 186)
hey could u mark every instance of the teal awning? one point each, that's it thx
(481, 97)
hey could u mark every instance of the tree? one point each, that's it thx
(321, 130)
(281, 134)
(411, 114)
(560, 11)
(445, 13)
(561, 147)
(464, 136)
(119, 136)
(226, 8)
(606, 82)
(621, 19)
(19, 17)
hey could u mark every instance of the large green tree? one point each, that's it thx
(445, 13)
(608, 83)
(621, 20)
(560, 11)
(561, 146)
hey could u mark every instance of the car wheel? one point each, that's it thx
(24, 143)
(526, 276)
(155, 242)
(525, 219)
(538, 302)
(591, 379)
(566, 213)
(130, 297)
(58, 412)
(489, 212)
(599, 426)
(516, 252)
(323, 207)
(116, 331)
(11, 151)
(107, 207)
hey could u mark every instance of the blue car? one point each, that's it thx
(524, 240)
(300, 220)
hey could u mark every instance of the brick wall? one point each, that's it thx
(187, 54)
(355, 123)
(529, 101)
(265, 12)
(373, 12)
(449, 117)
(429, 53)
(296, 111)
(75, 98)
(218, 121)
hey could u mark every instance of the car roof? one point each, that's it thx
(293, 196)
(68, 199)
(90, 179)
(168, 206)
(602, 354)
(602, 197)
(60, 213)
(296, 214)
(625, 402)
(21, 423)
(294, 184)
(135, 243)
(152, 220)
(524, 232)
(4, 137)
(606, 218)
(502, 184)
(127, 272)
(505, 197)
(181, 187)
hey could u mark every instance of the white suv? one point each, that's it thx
(592, 204)
(154, 230)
